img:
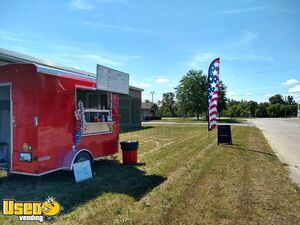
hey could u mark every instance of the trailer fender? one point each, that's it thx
(70, 157)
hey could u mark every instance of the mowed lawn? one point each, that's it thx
(183, 178)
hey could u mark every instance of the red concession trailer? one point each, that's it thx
(38, 129)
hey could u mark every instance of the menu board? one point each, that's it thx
(112, 80)
(82, 171)
(224, 134)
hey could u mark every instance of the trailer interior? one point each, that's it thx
(98, 114)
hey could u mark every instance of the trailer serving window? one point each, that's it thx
(98, 110)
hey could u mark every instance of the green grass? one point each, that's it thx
(201, 120)
(183, 178)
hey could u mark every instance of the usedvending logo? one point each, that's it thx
(32, 210)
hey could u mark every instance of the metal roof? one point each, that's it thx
(45, 66)
(59, 72)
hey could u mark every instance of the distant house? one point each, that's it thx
(150, 111)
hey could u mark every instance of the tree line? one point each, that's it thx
(190, 99)
(276, 107)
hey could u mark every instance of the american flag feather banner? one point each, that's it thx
(213, 92)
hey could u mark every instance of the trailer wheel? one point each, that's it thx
(83, 156)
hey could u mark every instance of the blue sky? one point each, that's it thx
(157, 42)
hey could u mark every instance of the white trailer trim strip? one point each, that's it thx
(35, 174)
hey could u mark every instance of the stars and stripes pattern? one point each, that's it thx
(213, 91)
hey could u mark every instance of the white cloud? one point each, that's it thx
(295, 89)
(140, 84)
(240, 43)
(236, 50)
(269, 95)
(297, 98)
(94, 55)
(247, 37)
(114, 27)
(247, 56)
(162, 80)
(290, 82)
(97, 58)
(81, 5)
(243, 10)
(128, 57)
(200, 58)
(143, 85)
(91, 4)
(230, 94)
(77, 67)
(91, 54)
(281, 9)
(10, 37)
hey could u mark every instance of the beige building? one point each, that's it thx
(150, 111)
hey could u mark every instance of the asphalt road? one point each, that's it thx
(284, 137)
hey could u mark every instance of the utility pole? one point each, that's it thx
(152, 93)
(284, 105)
(152, 113)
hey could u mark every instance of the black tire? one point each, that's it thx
(83, 156)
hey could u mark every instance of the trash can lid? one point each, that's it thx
(128, 142)
(129, 145)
